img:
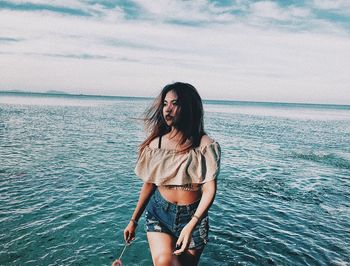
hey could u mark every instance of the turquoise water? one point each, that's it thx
(67, 186)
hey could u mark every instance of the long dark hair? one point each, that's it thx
(189, 121)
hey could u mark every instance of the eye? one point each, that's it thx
(165, 103)
(175, 103)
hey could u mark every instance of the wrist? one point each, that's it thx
(134, 222)
(194, 220)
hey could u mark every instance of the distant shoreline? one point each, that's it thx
(66, 94)
(62, 94)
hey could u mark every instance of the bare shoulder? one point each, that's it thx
(154, 143)
(206, 140)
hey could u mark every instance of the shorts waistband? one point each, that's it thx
(171, 206)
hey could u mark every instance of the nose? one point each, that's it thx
(169, 108)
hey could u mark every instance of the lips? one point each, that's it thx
(169, 117)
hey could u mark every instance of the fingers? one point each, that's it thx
(130, 239)
(128, 236)
(181, 245)
(117, 262)
(179, 242)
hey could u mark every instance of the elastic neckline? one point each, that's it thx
(199, 148)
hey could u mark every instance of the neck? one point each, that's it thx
(174, 133)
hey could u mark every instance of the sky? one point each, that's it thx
(279, 51)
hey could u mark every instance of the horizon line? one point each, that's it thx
(63, 93)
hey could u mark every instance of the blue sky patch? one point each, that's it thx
(42, 7)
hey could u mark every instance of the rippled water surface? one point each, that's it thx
(67, 186)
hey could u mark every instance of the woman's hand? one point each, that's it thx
(129, 232)
(183, 241)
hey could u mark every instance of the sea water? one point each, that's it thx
(68, 189)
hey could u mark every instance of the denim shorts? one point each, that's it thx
(166, 217)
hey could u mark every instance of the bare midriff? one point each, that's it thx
(180, 197)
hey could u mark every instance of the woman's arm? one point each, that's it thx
(145, 194)
(208, 195)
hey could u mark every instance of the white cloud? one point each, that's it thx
(197, 11)
(267, 9)
(94, 10)
(341, 5)
(268, 12)
(61, 3)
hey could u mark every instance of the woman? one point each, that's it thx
(179, 165)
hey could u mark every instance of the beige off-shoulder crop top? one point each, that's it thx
(164, 167)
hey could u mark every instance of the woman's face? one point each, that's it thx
(171, 108)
